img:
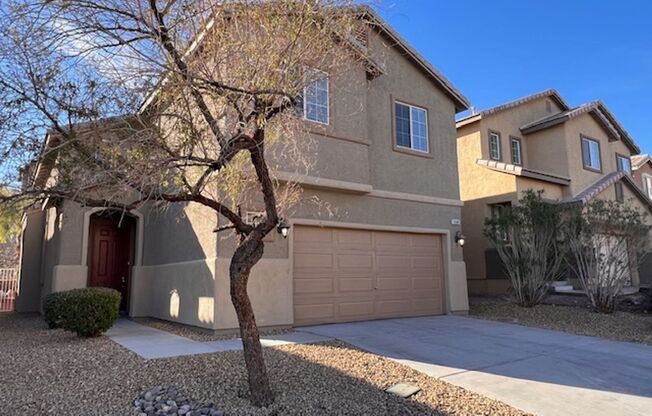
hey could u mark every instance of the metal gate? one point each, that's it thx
(8, 289)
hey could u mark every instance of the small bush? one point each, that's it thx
(52, 309)
(88, 312)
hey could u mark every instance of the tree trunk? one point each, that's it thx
(245, 257)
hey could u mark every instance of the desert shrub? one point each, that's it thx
(607, 240)
(90, 311)
(529, 240)
(52, 309)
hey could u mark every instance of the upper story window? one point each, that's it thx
(315, 99)
(623, 164)
(517, 157)
(494, 145)
(411, 127)
(647, 185)
(591, 154)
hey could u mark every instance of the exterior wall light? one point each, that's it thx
(283, 228)
(460, 238)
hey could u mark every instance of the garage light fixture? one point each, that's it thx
(283, 228)
(460, 238)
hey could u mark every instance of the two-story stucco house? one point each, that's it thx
(386, 162)
(537, 142)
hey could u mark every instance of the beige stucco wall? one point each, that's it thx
(508, 124)
(587, 126)
(548, 152)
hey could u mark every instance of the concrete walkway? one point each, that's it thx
(152, 343)
(539, 371)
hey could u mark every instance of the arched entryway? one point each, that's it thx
(111, 252)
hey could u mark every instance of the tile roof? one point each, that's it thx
(604, 183)
(521, 171)
(600, 112)
(550, 93)
(639, 160)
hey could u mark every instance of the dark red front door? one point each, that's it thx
(109, 255)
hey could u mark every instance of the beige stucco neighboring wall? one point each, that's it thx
(548, 152)
(508, 124)
(585, 125)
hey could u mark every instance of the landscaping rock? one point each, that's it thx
(169, 400)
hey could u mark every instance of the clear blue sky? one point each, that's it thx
(496, 51)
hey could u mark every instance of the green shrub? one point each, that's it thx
(90, 311)
(52, 309)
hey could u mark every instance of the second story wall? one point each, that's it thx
(586, 126)
(433, 173)
(507, 124)
(547, 151)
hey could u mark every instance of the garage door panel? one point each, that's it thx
(393, 283)
(356, 309)
(385, 261)
(312, 260)
(324, 285)
(358, 238)
(356, 260)
(355, 284)
(393, 307)
(427, 305)
(312, 235)
(345, 275)
(314, 312)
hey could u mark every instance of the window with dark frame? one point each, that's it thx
(411, 125)
(494, 145)
(620, 193)
(517, 158)
(623, 164)
(591, 154)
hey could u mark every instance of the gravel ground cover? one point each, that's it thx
(197, 334)
(618, 326)
(52, 372)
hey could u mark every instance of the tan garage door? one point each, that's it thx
(345, 275)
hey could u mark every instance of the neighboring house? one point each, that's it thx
(642, 173)
(386, 162)
(537, 142)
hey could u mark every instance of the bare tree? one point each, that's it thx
(169, 101)
(607, 241)
(528, 238)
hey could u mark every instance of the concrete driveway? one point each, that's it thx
(539, 371)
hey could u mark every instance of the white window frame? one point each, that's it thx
(513, 140)
(412, 148)
(597, 143)
(647, 186)
(328, 97)
(495, 134)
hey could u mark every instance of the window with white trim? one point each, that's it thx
(591, 154)
(315, 99)
(411, 125)
(647, 185)
(494, 145)
(624, 164)
(517, 158)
